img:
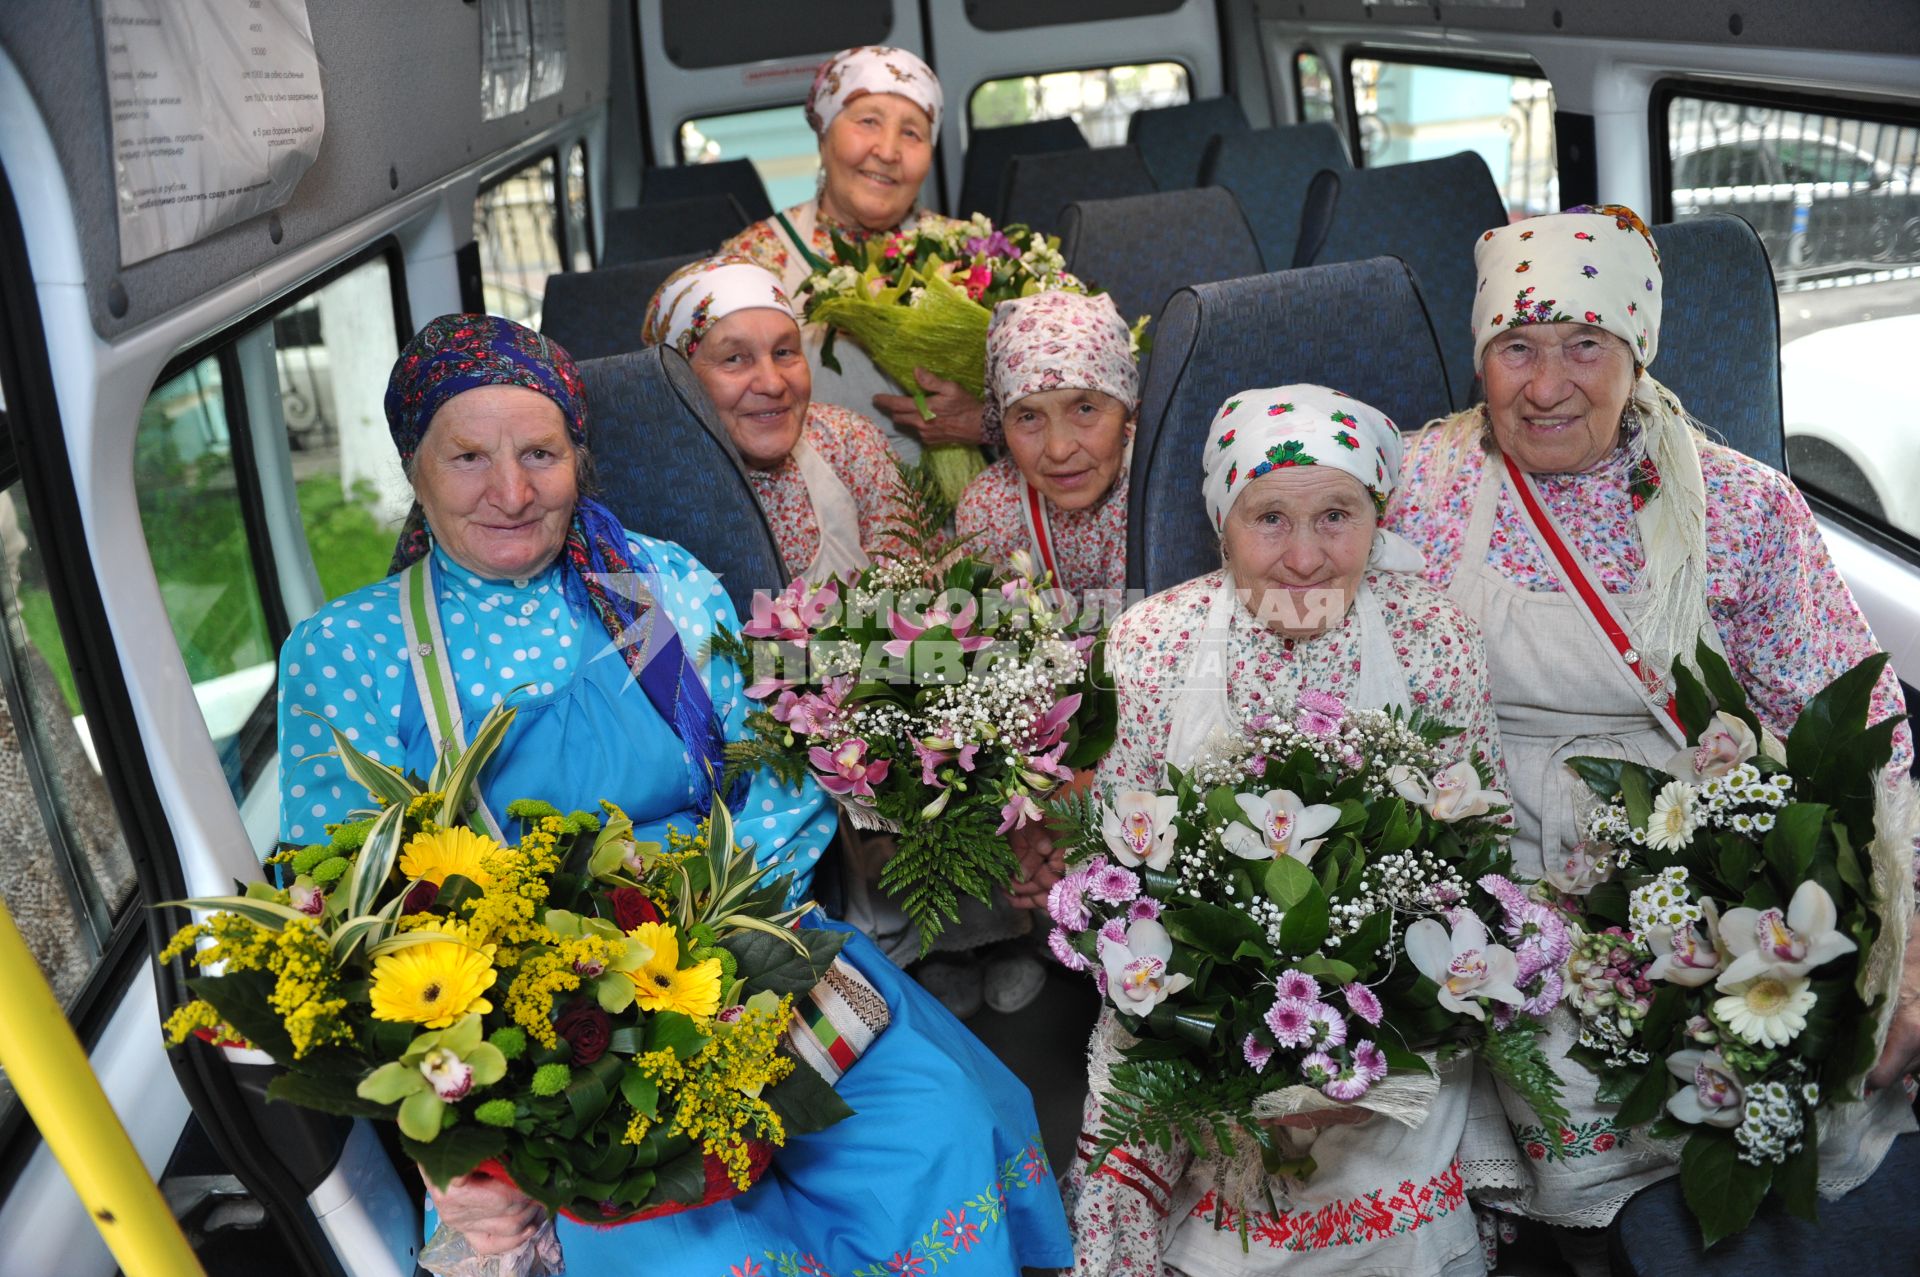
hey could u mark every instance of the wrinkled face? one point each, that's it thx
(756, 373)
(874, 157)
(1068, 443)
(1297, 541)
(498, 478)
(1555, 393)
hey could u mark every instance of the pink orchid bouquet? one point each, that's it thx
(1743, 913)
(1309, 917)
(938, 701)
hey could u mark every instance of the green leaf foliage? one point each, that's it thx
(1722, 1191)
(805, 1102)
(1516, 1056)
(456, 1151)
(938, 861)
(771, 965)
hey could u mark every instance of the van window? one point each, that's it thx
(516, 223)
(579, 209)
(1100, 99)
(1831, 192)
(777, 139)
(1312, 87)
(1422, 111)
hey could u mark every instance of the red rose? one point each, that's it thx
(420, 897)
(631, 907)
(1536, 1151)
(586, 1029)
(1602, 1143)
(1566, 1136)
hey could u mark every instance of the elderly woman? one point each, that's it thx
(1582, 484)
(1312, 597)
(877, 111)
(822, 473)
(1063, 387)
(490, 423)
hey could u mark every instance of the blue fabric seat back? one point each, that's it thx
(990, 150)
(738, 178)
(1720, 332)
(1271, 330)
(595, 313)
(665, 467)
(695, 225)
(1173, 138)
(1269, 171)
(1038, 187)
(1429, 214)
(1194, 236)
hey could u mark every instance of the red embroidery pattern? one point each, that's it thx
(1582, 1139)
(1354, 1222)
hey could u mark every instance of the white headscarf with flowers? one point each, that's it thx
(872, 68)
(1057, 340)
(1600, 266)
(701, 294)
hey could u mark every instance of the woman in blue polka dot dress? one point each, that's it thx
(941, 1167)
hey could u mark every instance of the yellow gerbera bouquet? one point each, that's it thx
(605, 1021)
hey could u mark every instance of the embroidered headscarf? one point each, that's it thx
(457, 353)
(1600, 266)
(701, 294)
(1259, 431)
(872, 68)
(1056, 341)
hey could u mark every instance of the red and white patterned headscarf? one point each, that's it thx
(1587, 265)
(1056, 341)
(872, 68)
(701, 294)
(1259, 431)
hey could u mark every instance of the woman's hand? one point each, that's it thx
(493, 1215)
(956, 414)
(1901, 1055)
(1041, 865)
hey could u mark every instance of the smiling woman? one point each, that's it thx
(496, 479)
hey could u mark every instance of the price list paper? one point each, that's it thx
(217, 113)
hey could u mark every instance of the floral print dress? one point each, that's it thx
(1402, 1204)
(1089, 545)
(854, 449)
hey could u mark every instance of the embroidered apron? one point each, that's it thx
(835, 516)
(858, 380)
(1385, 1198)
(1559, 691)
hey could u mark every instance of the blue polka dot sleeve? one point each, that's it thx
(787, 826)
(343, 665)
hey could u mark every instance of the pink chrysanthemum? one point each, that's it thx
(1258, 1053)
(1369, 1061)
(1297, 984)
(1145, 909)
(1329, 1026)
(1063, 951)
(1319, 1069)
(1291, 1020)
(1113, 931)
(1326, 704)
(1111, 885)
(1067, 902)
(1346, 1086)
(1362, 1002)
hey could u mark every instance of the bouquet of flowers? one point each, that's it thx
(602, 1020)
(1304, 919)
(938, 701)
(1746, 909)
(924, 298)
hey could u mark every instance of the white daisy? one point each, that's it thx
(1769, 1010)
(1670, 827)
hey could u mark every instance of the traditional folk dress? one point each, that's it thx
(1570, 677)
(1083, 549)
(1190, 664)
(832, 500)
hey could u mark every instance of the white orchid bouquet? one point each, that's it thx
(1745, 910)
(1306, 918)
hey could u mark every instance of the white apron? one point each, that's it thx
(858, 380)
(835, 515)
(1385, 1198)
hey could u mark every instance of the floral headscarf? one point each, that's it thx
(1257, 431)
(1056, 341)
(457, 353)
(701, 294)
(872, 68)
(1588, 265)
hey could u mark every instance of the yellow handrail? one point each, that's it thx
(50, 1073)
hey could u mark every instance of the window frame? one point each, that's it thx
(1186, 69)
(680, 126)
(1492, 64)
(557, 201)
(1299, 86)
(564, 205)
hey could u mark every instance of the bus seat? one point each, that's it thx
(595, 313)
(989, 150)
(1197, 236)
(665, 467)
(1873, 1229)
(1429, 214)
(1038, 187)
(738, 178)
(695, 225)
(1720, 332)
(1268, 170)
(1215, 339)
(1172, 139)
